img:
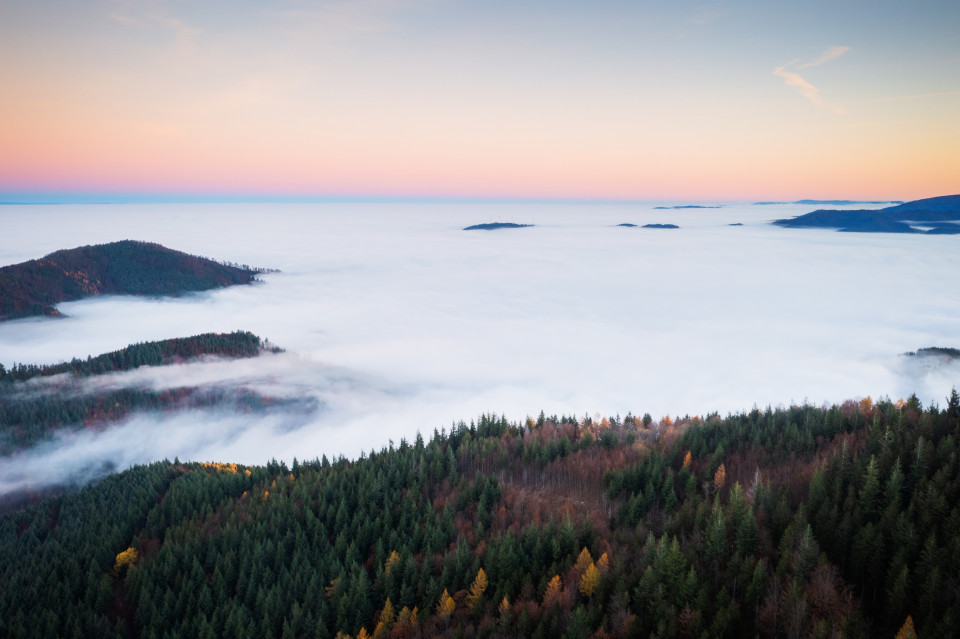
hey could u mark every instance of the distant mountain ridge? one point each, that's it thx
(833, 202)
(941, 214)
(127, 267)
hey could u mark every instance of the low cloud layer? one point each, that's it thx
(396, 321)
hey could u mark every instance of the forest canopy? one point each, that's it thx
(804, 521)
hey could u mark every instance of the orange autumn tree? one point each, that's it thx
(906, 630)
(720, 478)
(687, 460)
(553, 591)
(603, 564)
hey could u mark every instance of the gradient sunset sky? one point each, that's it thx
(449, 98)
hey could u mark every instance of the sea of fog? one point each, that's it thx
(395, 320)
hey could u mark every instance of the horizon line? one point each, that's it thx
(22, 198)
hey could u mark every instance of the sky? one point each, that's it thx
(453, 99)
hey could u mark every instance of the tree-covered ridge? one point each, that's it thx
(796, 522)
(120, 268)
(159, 353)
(29, 415)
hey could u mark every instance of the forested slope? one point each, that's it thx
(30, 413)
(795, 522)
(119, 268)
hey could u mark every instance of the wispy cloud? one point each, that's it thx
(831, 53)
(798, 82)
(807, 90)
(147, 14)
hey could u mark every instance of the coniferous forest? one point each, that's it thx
(30, 414)
(806, 521)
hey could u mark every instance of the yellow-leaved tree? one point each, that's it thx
(392, 562)
(476, 590)
(584, 560)
(387, 615)
(125, 558)
(687, 460)
(446, 606)
(589, 580)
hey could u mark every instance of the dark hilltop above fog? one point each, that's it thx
(119, 268)
(688, 206)
(832, 202)
(936, 351)
(31, 414)
(932, 216)
(493, 226)
(649, 226)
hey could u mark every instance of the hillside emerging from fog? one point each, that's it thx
(932, 216)
(31, 413)
(801, 522)
(119, 268)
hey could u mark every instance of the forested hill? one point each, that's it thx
(30, 414)
(795, 522)
(119, 268)
(160, 353)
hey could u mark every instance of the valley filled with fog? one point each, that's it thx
(395, 320)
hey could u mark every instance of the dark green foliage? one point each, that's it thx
(29, 414)
(119, 268)
(831, 522)
(163, 352)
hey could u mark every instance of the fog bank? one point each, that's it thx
(398, 321)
